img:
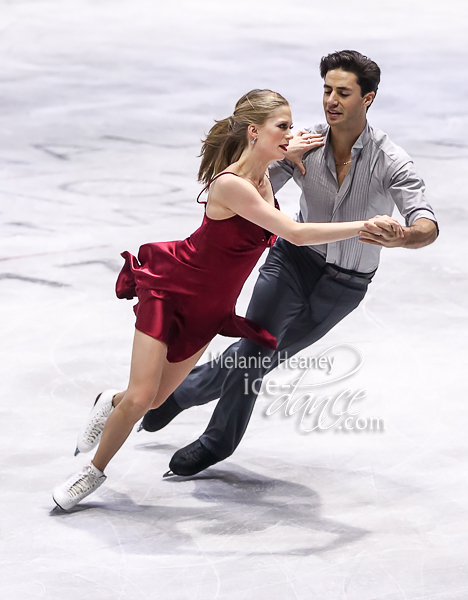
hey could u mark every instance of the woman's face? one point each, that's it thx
(273, 136)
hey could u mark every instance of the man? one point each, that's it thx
(352, 172)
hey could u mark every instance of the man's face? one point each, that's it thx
(342, 100)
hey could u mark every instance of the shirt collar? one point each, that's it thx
(362, 140)
(359, 144)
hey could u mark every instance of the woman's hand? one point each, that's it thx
(301, 142)
(382, 225)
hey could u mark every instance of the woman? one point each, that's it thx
(187, 290)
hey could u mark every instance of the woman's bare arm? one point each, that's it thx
(240, 197)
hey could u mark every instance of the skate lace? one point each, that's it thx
(85, 482)
(96, 425)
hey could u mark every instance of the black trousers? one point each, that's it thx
(298, 298)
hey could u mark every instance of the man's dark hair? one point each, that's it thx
(365, 69)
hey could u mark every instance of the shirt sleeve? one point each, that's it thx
(280, 172)
(407, 190)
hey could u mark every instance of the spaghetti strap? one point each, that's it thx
(210, 182)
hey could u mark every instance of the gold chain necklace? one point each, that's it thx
(342, 164)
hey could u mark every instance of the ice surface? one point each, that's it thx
(103, 105)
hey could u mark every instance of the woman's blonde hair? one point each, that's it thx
(227, 139)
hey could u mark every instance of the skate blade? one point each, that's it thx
(76, 452)
(57, 508)
(140, 427)
(169, 474)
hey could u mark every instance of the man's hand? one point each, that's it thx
(422, 233)
(300, 144)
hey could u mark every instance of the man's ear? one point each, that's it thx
(368, 99)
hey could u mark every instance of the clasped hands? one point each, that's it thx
(382, 230)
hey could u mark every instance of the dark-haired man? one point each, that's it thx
(346, 171)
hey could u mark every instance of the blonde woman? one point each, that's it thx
(187, 290)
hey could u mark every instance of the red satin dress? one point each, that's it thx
(187, 289)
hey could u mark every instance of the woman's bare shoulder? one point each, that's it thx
(228, 182)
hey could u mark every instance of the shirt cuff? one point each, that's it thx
(419, 213)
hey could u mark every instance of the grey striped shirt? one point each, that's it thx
(381, 175)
